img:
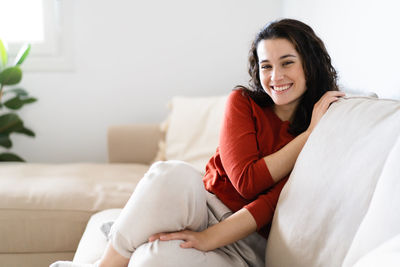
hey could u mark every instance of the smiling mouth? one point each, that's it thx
(281, 88)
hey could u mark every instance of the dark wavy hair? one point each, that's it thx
(319, 73)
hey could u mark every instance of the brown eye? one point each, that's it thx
(287, 63)
(266, 67)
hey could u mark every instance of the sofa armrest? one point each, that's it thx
(135, 143)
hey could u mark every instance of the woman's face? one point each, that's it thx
(281, 71)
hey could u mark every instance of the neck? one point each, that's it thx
(285, 112)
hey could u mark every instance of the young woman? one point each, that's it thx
(176, 218)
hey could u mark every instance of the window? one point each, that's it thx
(42, 23)
(22, 24)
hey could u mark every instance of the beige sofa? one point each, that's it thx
(45, 207)
(345, 183)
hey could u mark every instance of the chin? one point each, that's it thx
(280, 102)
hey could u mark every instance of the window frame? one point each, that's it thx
(55, 53)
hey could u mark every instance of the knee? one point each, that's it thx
(174, 174)
(171, 186)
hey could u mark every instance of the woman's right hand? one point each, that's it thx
(322, 106)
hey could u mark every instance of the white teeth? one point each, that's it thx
(281, 88)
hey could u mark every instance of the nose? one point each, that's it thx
(276, 74)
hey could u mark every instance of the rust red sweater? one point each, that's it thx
(237, 173)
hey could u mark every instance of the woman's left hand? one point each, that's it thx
(235, 227)
(191, 239)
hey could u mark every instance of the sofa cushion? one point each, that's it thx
(332, 183)
(93, 241)
(387, 255)
(382, 220)
(32, 259)
(45, 207)
(192, 130)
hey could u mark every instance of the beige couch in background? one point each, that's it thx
(339, 208)
(44, 208)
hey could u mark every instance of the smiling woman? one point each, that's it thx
(175, 218)
(298, 40)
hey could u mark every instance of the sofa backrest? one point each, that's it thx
(133, 143)
(331, 186)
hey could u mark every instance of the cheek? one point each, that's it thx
(264, 79)
(301, 79)
(302, 75)
(304, 82)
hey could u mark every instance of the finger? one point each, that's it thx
(331, 94)
(173, 236)
(327, 101)
(155, 237)
(187, 244)
(333, 99)
(327, 104)
(335, 93)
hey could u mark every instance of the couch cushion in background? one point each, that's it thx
(332, 183)
(382, 221)
(385, 255)
(45, 207)
(32, 259)
(94, 241)
(192, 130)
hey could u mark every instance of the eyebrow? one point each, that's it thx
(282, 57)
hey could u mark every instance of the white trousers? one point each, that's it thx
(171, 197)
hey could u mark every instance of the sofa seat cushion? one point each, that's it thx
(94, 240)
(33, 259)
(45, 207)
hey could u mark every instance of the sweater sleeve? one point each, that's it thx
(263, 207)
(240, 154)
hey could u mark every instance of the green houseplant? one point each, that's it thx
(12, 99)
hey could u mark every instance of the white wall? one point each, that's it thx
(130, 58)
(362, 37)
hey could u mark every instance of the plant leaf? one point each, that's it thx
(22, 54)
(26, 131)
(17, 102)
(29, 100)
(5, 140)
(17, 91)
(14, 103)
(10, 157)
(11, 75)
(3, 55)
(9, 123)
